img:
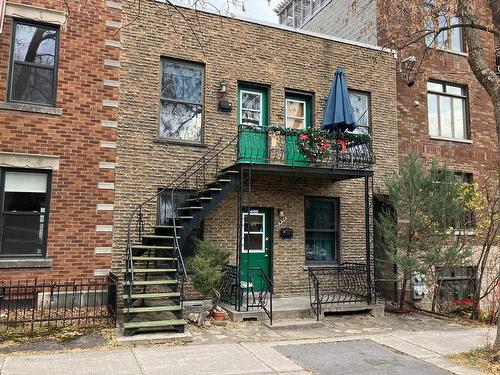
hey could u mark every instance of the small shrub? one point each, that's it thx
(206, 265)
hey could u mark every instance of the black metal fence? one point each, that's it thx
(54, 303)
(344, 283)
(256, 293)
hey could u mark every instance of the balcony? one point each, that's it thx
(276, 149)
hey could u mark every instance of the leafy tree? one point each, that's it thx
(427, 205)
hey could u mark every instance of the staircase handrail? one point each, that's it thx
(175, 188)
(129, 264)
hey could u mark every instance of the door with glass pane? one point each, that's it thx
(256, 251)
(252, 119)
(23, 213)
(297, 116)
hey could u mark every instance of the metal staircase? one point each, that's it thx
(155, 271)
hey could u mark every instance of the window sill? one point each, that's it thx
(320, 265)
(25, 263)
(458, 53)
(468, 141)
(179, 142)
(31, 108)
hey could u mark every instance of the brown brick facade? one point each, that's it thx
(82, 135)
(240, 51)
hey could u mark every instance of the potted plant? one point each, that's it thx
(206, 266)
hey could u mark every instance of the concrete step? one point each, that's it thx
(152, 295)
(153, 282)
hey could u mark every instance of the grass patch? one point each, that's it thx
(482, 359)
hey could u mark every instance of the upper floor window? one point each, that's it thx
(447, 110)
(360, 102)
(181, 100)
(33, 67)
(451, 39)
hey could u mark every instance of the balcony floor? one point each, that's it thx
(321, 171)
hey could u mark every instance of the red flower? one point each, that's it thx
(304, 137)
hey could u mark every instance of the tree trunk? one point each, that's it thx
(478, 64)
(497, 340)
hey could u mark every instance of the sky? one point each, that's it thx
(258, 9)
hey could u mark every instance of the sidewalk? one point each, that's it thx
(243, 358)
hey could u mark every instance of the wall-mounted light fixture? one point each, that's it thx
(281, 213)
(222, 87)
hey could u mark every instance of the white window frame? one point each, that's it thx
(261, 119)
(303, 118)
(445, 93)
(254, 213)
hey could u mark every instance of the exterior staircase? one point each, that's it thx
(155, 273)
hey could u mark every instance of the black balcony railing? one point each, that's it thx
(344, 283)
(275, 145)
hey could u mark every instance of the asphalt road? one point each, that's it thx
(356, 357)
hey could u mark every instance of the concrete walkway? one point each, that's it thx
(248, 358)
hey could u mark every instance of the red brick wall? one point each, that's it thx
(74, 136)
(477, 157)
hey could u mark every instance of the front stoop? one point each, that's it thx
(164, 337)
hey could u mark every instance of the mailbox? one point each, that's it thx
(286, 232)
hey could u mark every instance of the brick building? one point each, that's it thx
(214, 104)
(58, 119)
(443, 112)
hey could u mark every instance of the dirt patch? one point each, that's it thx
(56, 340)
(481, 359)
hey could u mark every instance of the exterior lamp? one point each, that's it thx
(222, 87)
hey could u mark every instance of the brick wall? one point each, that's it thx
(235, 50)
(82, 135)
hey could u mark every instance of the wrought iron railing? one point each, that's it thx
(266, 145)
(54, 303)
(256, 293)
(344, 283)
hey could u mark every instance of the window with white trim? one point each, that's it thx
(447, 110)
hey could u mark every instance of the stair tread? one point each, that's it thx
(152, 270)
(153, 282)
(152, 295)
(199, 199)
(185, 217)
(190, 208)
(223, 180)
(159, 247)
(169, 226)
(211, 189)
(155, 323)
(158, 236)
(153, 258)
(151, 309)
(232, 171)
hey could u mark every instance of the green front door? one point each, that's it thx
(256, 252)
(297, 116)
(252, 119)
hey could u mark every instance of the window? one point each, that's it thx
(458, 285)
(24, 213)
(168, 210)
(360, 102)
(468, 221)
(448, 39)
(254, 239)
(33, 67)
(446, 106)
(181, 101)
(321, 223)
(251, 107)
(295, 114)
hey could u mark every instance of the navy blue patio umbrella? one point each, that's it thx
(339, 115)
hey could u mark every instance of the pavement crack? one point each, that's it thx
(137, 360)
